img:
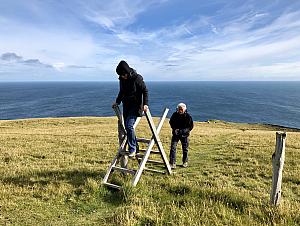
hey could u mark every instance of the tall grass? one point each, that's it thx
(51, 172)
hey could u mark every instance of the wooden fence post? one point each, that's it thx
(277, 164)
(121, 134)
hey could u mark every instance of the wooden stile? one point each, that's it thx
(142, 159)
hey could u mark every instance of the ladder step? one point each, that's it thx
(155, 162)
(139, 156)
(113, 186)
(143, 140)
(124, 152)
(124, 170)
(154, 170)
(150, 160)
(152, 151)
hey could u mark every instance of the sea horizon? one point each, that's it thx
(185, 81)
(263, 102)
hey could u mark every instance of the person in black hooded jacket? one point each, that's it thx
(181, 123)
(134, 96)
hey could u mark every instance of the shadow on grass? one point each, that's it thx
(78, 179)
(274, 215)
(74, 177)
(179, 190)
(117, 197)
(293, 180)
(231, 200)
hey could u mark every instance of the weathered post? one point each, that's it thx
(124, 158)
(121, 135)
(277, 163)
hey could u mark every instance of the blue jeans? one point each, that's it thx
(185, 145)
(131, 139)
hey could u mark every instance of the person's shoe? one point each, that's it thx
(173, 166)
(131, 154)
(185, 164)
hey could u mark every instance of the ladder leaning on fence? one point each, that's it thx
(121, 157)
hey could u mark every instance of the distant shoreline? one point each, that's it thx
(211, 121)
(291, 129)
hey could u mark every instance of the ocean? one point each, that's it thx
(276, 103)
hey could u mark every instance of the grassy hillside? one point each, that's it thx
(51, 172)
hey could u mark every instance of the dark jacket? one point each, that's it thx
(181, 124)
(133, 91)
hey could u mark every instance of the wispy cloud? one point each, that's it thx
(116, 15)
(35, 62)
(79, 66)
(269, 45)
(13, 58)
(10, 57)
(228, 40)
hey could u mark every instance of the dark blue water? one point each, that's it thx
(255, 102)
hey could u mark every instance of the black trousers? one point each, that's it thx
(185, 145)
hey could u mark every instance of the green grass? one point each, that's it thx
(51, 172)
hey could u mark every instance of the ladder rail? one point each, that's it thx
(158, 141)
(120, 119)
(151, 144)
(121, 148)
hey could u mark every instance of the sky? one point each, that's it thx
(164, 40)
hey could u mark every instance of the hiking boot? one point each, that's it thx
(173, 166)
(131, 154)
(185, 164)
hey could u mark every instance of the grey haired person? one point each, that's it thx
(181, 123)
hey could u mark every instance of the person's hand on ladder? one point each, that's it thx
(146, 108)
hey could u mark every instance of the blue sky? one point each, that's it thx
(64, 40)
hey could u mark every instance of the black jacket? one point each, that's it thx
(182, 122)
(133, 91)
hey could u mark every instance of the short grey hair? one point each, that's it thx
(182, 105)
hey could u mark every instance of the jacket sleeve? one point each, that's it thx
(171, 122)
(120, 95)
(145, 93)
(189, 126)
(191, 123)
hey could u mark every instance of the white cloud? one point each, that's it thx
(214, 29)
(48, 45)
(270, 45)
(116, 15)
(94, 36)
(59, 66)
(12, 59)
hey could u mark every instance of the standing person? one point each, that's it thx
(134, 96)
(181, 123)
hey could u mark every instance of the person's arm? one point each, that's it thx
(120, 95)
(144, 91)
(171, 122)
(191, 124)
(119, 98)
(145, 96)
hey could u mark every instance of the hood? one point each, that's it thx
(123, 68)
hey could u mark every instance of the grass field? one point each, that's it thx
(51, 172)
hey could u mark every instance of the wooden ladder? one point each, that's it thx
(122, 158)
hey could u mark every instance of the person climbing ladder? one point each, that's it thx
(134, 96)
